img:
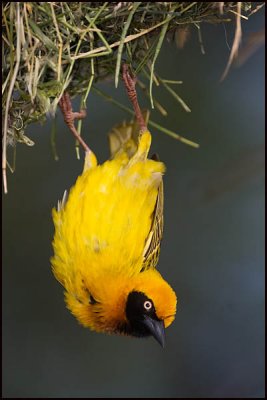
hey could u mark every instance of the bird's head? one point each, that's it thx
(142, 317)
(150, 307)
(141, 306)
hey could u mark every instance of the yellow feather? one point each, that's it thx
(100, 237)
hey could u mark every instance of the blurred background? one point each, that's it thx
(212, 251)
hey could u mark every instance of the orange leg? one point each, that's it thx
(130, 83)
(70, 116)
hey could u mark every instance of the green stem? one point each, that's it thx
(123, 35)
(161, 38)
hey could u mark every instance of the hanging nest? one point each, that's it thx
(51, 47)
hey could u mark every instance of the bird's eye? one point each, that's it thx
(147, 305)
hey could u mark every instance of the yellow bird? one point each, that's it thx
(107, 238)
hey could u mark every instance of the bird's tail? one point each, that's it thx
(125, 137)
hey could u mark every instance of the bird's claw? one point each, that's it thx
(130, 82)
(70, 116)
(66, 108)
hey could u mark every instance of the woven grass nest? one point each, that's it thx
(51, 47)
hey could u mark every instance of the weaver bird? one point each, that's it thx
(108, 233)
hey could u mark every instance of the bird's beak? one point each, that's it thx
(156, 329)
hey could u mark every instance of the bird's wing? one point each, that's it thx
(152, 245)
(125, 137)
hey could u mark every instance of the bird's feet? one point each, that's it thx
(130, 82)
(70, 116)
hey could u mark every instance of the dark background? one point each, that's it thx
(212, 251)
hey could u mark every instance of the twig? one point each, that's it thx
(236, 43)
(60, 41)
(9, 95)
(123, 35)
(116, 44)
(175, 95)
(161, 37)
